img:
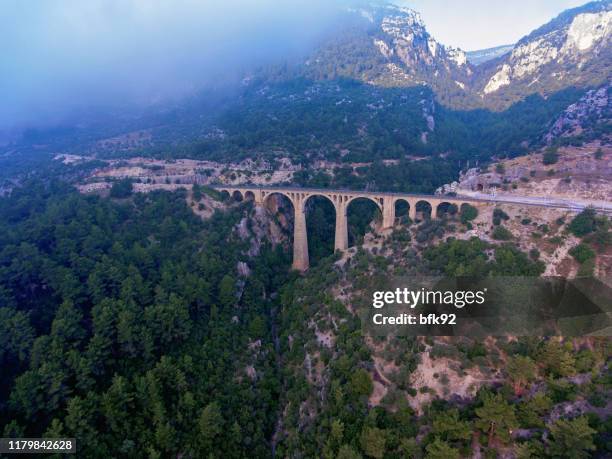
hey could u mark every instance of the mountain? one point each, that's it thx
(483, 55)
(574, 49)
(378, 86)
(388, 45)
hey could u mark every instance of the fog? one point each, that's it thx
(62, 57)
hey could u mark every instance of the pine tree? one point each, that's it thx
(210, 426)
(373, 442)
(521, 371)
(346, 452)
(496, 418)
(572, 439)
(439, 449)
(448, 426)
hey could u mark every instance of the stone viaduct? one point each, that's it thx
(340, 199)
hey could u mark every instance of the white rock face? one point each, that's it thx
(501, 78)
(530, 57)
(409, 41)
(403, 24)
(432, 45)
(395, 27)
(525, 60)
(384, 49)
(588, 29)
(456, 55)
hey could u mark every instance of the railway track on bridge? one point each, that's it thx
(341, 199)
(505, 199)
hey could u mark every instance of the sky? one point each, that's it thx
(62, 56)
(479, 24)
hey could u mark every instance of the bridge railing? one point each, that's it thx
(493, 200)
(345, 190)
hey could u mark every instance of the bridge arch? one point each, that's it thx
(401, 208)
(425, 208)
(375, 200)
(328, 197)
(359, 221)
(249, 195)
(322, 213)
(267, 195)
(445, 208)
(237, 196)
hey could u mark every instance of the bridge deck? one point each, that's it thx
(505, 199)
(342, 190)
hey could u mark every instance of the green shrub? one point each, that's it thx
(550, 156)
(121, 189)
(468, 213)
(584, 223)
(501, 233)
(499, 215)
(582, 253)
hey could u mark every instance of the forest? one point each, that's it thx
(340, 120)
(349, 121)
(142, 330)
(124, 323)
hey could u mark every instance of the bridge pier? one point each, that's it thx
(341, 237)
(301, 261)
(388, 213)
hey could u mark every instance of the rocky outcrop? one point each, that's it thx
(393, 44)
(555, 56)
(594, 107)
(410, 50)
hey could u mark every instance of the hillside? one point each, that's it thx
(390, 46)
(379, 87)
(573, 49)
